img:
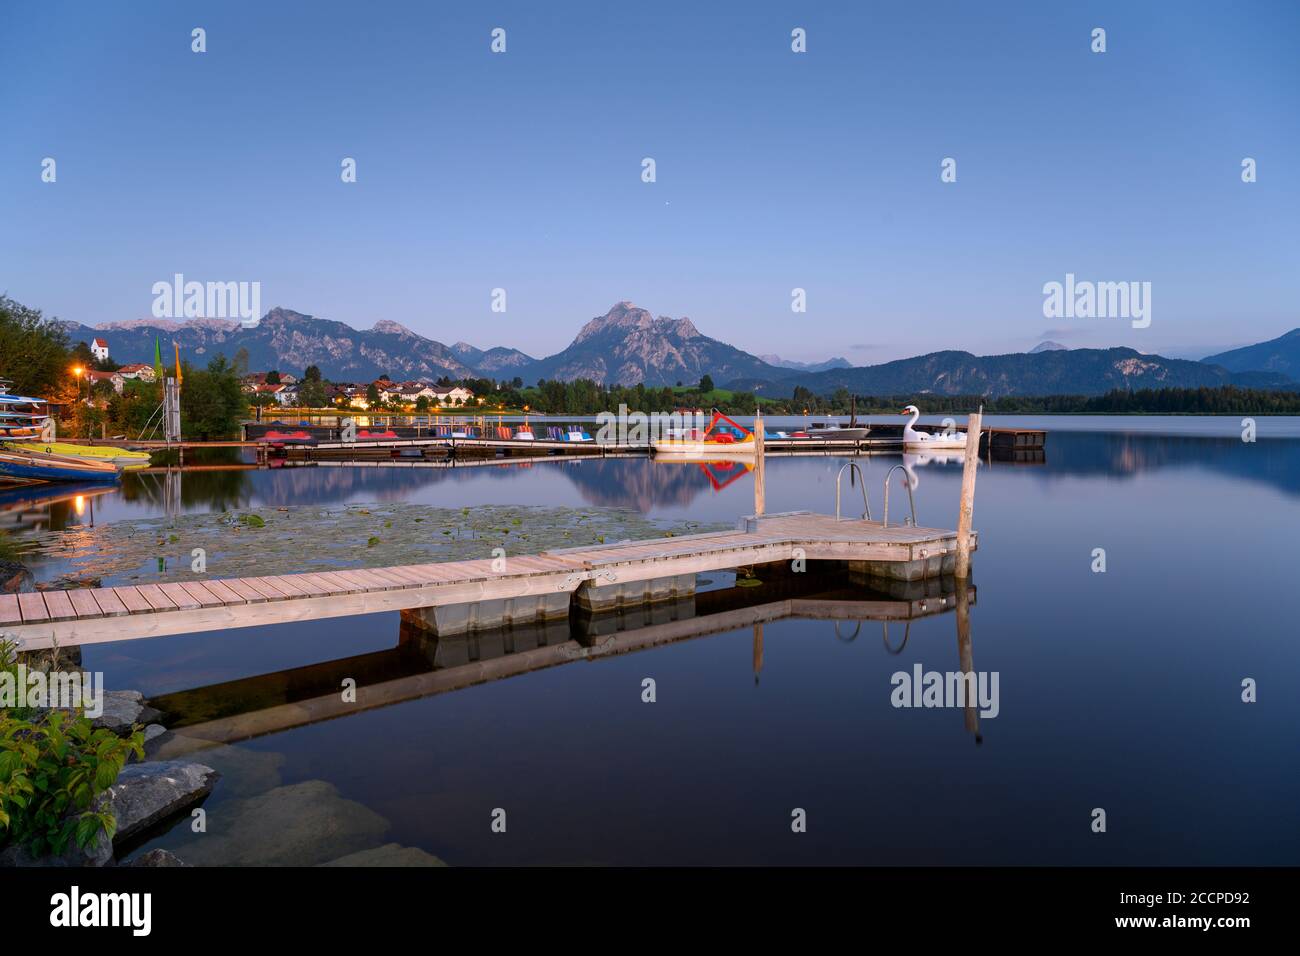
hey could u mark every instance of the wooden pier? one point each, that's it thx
(417, 443)
(459, 596)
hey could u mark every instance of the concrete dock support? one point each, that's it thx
(598, 597)
(448, 619)
(917, 570)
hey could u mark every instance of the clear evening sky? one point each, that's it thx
(775, 170)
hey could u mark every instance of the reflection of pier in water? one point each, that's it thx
(422, 665)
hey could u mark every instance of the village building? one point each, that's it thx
(283, 394)
(456, 395)
(113, 378)
(138, 372)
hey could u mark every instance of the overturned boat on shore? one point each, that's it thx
(39, 466)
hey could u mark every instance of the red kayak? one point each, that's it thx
(376, 436)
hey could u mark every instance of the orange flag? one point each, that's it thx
(178, 363)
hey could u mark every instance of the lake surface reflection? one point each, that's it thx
(1119, 690)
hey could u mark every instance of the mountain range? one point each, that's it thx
(1050, 372)
(779, 362)
(628, 345)
(1281, 354)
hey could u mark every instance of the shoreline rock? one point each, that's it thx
(143, 796)
(122, 710)
(146, 794)
(156, 858)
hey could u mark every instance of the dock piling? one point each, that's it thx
(760, 479)
(967, 510)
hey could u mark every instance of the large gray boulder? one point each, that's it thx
(149, 793)
(302, 824)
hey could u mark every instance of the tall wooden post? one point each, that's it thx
(758, 651)
(967, 511)
(760, 480)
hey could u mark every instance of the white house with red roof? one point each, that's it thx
(99, 349)
(142, 373)
(113, 378)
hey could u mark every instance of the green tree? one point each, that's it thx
(83, 356)
(311, 393)
(372, 395)
(312, 374)
(706, 383)
(212, 402)
(34, 353)
(273, 377)
(128, 413)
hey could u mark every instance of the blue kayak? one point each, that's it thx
(40, 467)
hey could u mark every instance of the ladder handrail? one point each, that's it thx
(862, 478)
(910, 499)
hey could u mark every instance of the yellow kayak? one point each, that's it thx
(121, 457)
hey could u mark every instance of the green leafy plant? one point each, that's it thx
(52, 770)
(53, 766)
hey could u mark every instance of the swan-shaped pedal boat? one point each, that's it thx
(925, 440)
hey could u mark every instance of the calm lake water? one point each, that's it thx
(1118, 690)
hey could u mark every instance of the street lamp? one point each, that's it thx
(78, 371)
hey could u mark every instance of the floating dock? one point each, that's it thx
(462, 596)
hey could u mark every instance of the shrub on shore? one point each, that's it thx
(54, 765)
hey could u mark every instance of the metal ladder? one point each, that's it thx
(862, 479)
(910, 499)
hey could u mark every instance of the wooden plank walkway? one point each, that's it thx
(98, 615)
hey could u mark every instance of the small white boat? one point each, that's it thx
(837, 432)
(925, 440)
(524, 434)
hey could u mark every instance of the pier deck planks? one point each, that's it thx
(41, 619)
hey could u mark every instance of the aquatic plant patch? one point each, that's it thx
(269, 540)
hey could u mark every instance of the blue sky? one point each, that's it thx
(775, 170)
